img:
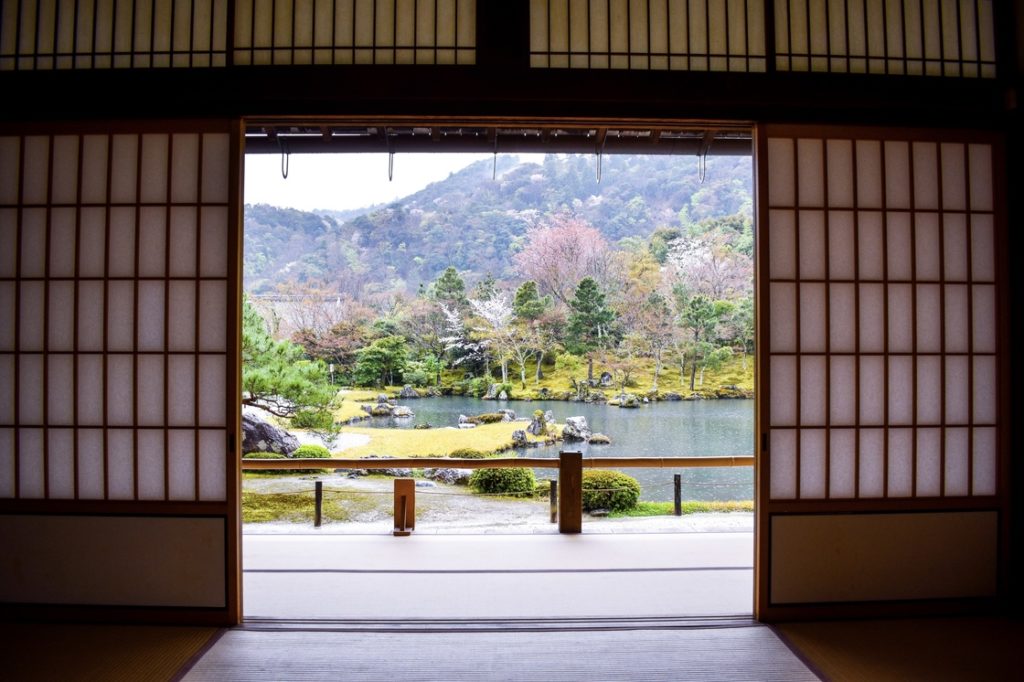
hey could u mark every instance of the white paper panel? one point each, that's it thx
(7, 313)
(842, 318)
(901, 318)
(956, 318)
(927, 245)
(214, 255)
(980, 156)
(122, 242)
(841, 245)
(120, 465)
(8, 235)
(7, 363)
(872, 462)
(812, 463)
(213, 316)
(813, 395)
(10, 169)
(929, 389)
(782, 454)
(182, 322)
(60, 376)
(185, 169)
(90, 390)
(30, 461)
(926, 175)
(781, 188)
(30, 324)
(92, 243)
(901, 463)
(35, 169)
(954, 246)
(871, 244)
(957, 467)
(900, 389)
(181, 390)
(872, 390)
(151, 393)
(811, 165)
(154, 169)
(6, 463)
(783, 390)
(983, 262)
(984, 459)
(929, 318)
(30, 389)
(843, 390)
(783, 317)
(984, 312)
(64, 182)
(152, 241)
(213, 464)
(124, 169)
(958, 386)
(985, 390)
(954, 184)
(183, 241)
(33, 242)
(151, 316)
(151, 464)
(215, 168)
(813, 318)
(91, 472)
(120, 392)
(90, 316)
(62, 242)
(94, 169)
(842, 467)
(899, 252)
(872, 318)
(120, 316)
(897, 174)
(61, 464)
(212, 390)
(813, 259)
(840, 173)
(181, 457)
(929, 462)
(782, 252)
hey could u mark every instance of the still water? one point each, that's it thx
(664, 429)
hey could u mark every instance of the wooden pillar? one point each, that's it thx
(405, 506)
(318, 503)
(570, 497)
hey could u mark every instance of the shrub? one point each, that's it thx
(263, 455)
(468, 453)
(477, 387)
(516, 481)
(313, 419)
(311, 452)
(611, 490)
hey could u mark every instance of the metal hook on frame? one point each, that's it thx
(285, 157)
(494, 164)
(600, 155)
(702, 155)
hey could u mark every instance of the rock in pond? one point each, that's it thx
(599, 439)
(576, 429)
(401, 411)
(408, 393)
(519, 439)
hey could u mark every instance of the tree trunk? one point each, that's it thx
(522, 375)
(590, 368)
(540, 358)
(504, 371)
(693, 371)
(702, 376)
(657, 369)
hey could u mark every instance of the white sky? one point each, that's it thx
(347, 181)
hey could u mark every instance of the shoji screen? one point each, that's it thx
(118, 363)
(880, 341)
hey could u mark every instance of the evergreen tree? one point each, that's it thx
(382, 362)
(486, 289)
(528, 305)
(590, 322)
(449, 288)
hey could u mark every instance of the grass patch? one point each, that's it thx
(297, 507)
(689, 507)
(435, 442)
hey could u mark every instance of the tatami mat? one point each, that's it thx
(745, 653)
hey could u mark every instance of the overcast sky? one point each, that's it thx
(345, 181)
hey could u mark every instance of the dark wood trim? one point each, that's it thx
(762, 459)
(889, 505)
(148, 615)
(112, 508)
(778, 613)
(233, 380)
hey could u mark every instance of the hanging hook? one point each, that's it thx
(603, 135)
(285, 157)
(702, 155)
(391, 166)
(494, 165)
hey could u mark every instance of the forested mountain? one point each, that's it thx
(477, 223)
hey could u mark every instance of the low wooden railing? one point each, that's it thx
(570, 467)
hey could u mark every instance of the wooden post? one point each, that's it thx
(318, 503)
(553, 498)
(570, 499)
(677, 484)
(405, 506)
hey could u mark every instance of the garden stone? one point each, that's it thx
(606, 379)
(536, 427)
(503, 396)
(258, 435)
(449, 476)
(408, 393)
(510, 415)
(401, 411)
(463, 419)
(382, 399)
(600, 439)
(672, 396)
(549, 417)
(425, 484)
(519, 438)
(467, 425)
(492, 392)
(576, 428)
(381, 410)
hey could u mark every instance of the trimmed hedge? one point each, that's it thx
(611, 490)
(517, 481)
(468, 453)
(311, 451)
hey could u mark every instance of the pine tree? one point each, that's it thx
(528, 305)
(449, 288)
(590, 322)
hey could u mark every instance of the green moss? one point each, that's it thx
(689, 507)
(298, 507)
(440, 443)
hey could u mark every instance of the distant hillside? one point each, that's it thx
(477, 223)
